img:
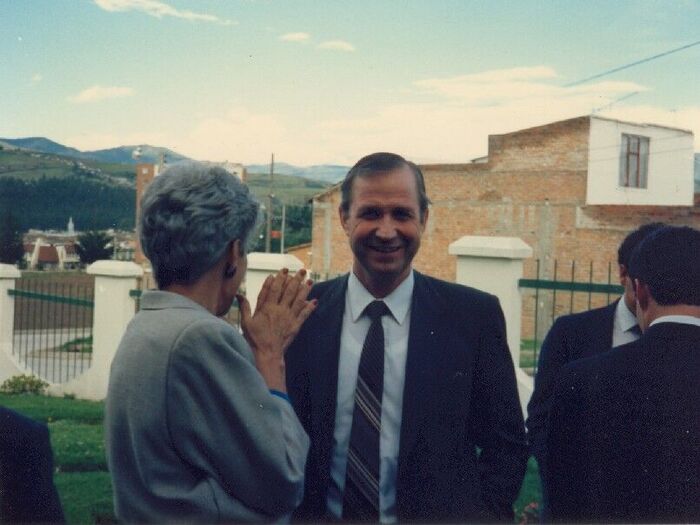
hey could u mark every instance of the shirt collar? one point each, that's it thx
(160, 299)
(398, 301)
(682, 319)
(625, 318)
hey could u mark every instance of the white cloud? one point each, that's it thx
(237, 136)
(36, 78)
(295, 37)
(158, 10)
(97, 93)
(337, 45)
(495, 86)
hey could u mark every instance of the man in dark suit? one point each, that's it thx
(577, 336)
(404, 383)
(27, 492)
(624, 440)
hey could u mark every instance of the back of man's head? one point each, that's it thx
(668, 262)
(633, 239)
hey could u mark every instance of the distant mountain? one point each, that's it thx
(125, 154)
(120, 155)
(43, 145)
(329, 173)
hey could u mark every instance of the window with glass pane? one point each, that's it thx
(634, 161)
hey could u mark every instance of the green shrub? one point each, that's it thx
(23, 384)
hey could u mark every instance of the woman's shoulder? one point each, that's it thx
(205, 331)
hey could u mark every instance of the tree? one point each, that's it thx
(93, 246)
(11, 245)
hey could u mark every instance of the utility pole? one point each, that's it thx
(284, 220)
(268, 236)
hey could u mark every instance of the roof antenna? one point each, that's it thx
(611, 104)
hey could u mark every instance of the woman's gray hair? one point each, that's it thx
(189, 215)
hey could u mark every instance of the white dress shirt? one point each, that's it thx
(396, 329)
(624, 325)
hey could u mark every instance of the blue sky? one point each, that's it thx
(326, 82)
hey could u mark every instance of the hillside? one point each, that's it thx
(31, 165)
(328, 173)
(288, 189)
(119, 155)
(43, 190)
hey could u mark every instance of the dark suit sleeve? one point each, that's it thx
(498, 421)
(570, 478)
(298, 379)
(27, 491)
(553, 356)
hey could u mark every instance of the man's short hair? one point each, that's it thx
(382, 162)
(633, 239)
(668, 262)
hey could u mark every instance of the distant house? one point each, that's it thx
(44, 255)
(47, 258)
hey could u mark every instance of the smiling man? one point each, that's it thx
(404, 383)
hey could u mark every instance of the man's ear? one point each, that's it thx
(424, 221)
(643, 295)
(623, 273)
(343, 215)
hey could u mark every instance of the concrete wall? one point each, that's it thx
(670, 171)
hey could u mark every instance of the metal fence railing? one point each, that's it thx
(52, 329)
(561, 290)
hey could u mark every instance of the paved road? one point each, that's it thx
(33, 349)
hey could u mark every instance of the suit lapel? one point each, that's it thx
(323, 355)
(425, 341)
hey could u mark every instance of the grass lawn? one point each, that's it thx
(77, 440)
(79, 456)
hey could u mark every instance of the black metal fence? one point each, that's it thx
(559, 290)
(52, 334)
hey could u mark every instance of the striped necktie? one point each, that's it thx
(361, 495)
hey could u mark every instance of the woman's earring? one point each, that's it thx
(229, 271)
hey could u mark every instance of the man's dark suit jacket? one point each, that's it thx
(571, 337)
(624, 442)
(27, 492)
(460, 394)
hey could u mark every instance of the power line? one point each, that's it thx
(632, 64)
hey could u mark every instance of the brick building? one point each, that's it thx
(572, 190)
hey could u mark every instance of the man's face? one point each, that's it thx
(384, 227)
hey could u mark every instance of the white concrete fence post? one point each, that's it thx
(114, 308)
(260, 265)
(8, 274)
(494, 265)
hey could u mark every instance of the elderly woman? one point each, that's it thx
(198, 424)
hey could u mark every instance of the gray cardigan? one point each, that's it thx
(192, 431)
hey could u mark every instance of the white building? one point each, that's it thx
(639, 164)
